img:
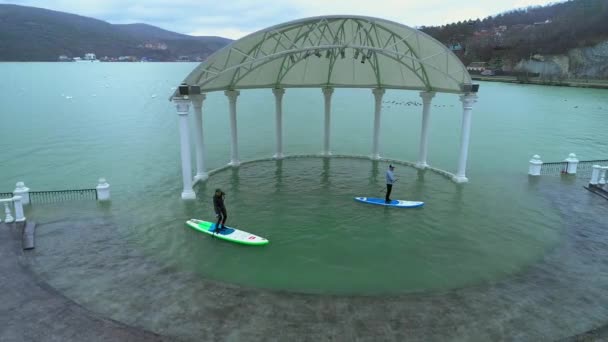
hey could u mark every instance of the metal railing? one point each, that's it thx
(556, 168)
(586, 166)
(62, 195)
(6, 195)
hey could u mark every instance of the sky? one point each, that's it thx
(236, 18)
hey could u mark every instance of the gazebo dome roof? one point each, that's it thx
(333, 51)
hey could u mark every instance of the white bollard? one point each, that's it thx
(23, 191)
(595, 175)
(9, 218)
(535, 165)
(103, 190)
(17, 201)
(572, 164)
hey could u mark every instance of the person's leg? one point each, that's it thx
(389, 188)
(220, 217)
(224, 217)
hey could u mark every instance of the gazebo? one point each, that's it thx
(327, 52)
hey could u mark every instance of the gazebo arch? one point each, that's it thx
(326, 52)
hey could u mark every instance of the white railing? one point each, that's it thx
(569, 166)
(15, 203)
(599, 176)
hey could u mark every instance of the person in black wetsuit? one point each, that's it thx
(220, 210)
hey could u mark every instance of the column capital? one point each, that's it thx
(278, 91)
(327, 91)
(468, 100)
(427, 96)
(182, 106)
(197, 100)
(378, 91)
(232, 94)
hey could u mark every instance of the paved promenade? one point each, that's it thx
(33, 311)
(538, 304)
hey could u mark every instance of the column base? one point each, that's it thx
(421, 165)
(201, 177)
(21, 220)
(375, 156)
(188, 195)
(460, 179)
(234, 163)
(326, 154)
(278, 156)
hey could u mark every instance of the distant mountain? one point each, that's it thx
(35, 34)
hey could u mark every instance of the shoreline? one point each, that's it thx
(574, 83)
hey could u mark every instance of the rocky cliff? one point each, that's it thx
(588, 62)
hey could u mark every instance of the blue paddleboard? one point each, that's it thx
(393, 203)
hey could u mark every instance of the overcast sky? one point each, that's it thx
(236, 18)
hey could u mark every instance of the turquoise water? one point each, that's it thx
(68, 124)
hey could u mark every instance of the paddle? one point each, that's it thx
(384, 188)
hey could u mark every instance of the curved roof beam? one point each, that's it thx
(294, 41)
(388, 53)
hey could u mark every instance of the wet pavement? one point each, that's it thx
(563, 297)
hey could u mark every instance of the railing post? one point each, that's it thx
(572, 164)
(595, 175)
(23, 191)
(602, 181)
(103, 190)
(7, 210)
(17, 201)
(535, 165)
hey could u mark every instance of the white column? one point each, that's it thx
(467, 109)
(234, 149)
(103, 190)
(426, 96)
(535, 165)
(378, 94)
(278, 97)
(327, 92)
(183, 109)
(572, 164)
(23, 191)
(197, 103)
(595, 175)
(17, 201)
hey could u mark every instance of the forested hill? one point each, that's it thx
(35, 34)
(519, 34)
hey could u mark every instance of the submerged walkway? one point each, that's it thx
(538, 304)
(33, 311)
